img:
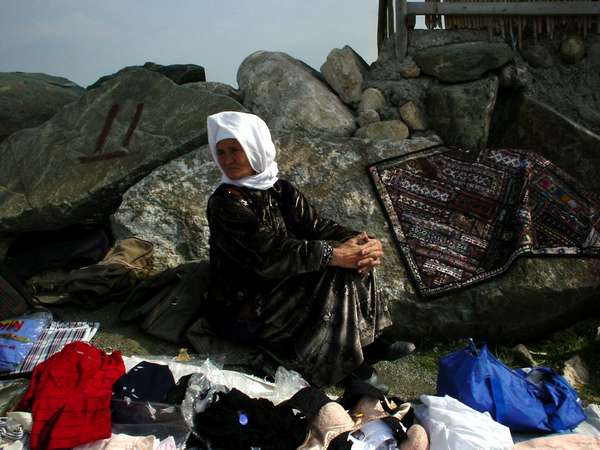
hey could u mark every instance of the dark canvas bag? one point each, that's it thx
(127, 262)
(168, 302)
(14, 298)
(70, 248)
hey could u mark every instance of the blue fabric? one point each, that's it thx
(478, 379)
(17, 337)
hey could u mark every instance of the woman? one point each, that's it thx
(299, 286)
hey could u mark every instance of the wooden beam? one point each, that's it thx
(401, 30)
(543, 8)
(390, 17)
(381, 24)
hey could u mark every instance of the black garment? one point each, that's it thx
(236, 421)
(146, 381)
(137, 403)
(268, 286)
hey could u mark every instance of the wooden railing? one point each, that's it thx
(395, 15)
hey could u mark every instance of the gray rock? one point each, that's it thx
(531, 124)
(394, 130)
(75, 167)
(388, 68)
(537, 55)
(462, 62)
(409, 69)
(288, 94)
(29, 99)
(368, 117)
(514, 76)
(168, 207)
(344, 70)
(371, 98)
(413, 116)
(572, 50)
(420, 39)
(576, 372)
(522, 355)
(399, 92)
(526, 301)
(178, 73)
(217, 88)
(461, 114)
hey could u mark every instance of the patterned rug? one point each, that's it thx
(462, 216)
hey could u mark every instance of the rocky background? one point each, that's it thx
(129, 153)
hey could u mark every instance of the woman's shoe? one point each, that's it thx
(376, 381)
(368, 374)
(381, 350)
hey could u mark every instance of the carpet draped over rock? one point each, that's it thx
(461, 216)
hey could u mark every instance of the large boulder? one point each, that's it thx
(288, 94)
(168, 206)
(217, 88)
(388, 68)
(458, 63)
(344, 70)
(528, 123)
(419, 39)
(395, 130)
(29, 99)
(534, 296)
(177, 73)
(462, 113)
(75, 167)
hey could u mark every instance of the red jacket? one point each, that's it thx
(69, 397)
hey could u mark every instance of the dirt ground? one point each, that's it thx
(408, 377)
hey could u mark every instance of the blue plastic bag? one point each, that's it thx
(478, 379)
(17, 337)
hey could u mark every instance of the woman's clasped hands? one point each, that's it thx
(361, 252)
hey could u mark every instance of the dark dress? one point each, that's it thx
(268, 286)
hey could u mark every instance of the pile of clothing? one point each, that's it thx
(84, 398)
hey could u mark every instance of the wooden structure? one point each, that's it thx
(511, 17)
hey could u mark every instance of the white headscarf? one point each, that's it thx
(255, 138)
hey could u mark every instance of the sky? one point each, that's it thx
(83, 40)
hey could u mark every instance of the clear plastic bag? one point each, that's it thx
(148, 418)
(178, 368)
(212, 379)
(17, 336)
(11, 393)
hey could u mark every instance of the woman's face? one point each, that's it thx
(233, 160)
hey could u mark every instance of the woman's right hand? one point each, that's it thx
(360, 252)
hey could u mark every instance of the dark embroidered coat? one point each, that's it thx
(268, 286)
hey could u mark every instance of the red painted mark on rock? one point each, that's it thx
(98, 154)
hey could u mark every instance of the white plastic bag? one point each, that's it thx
(452, 425)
